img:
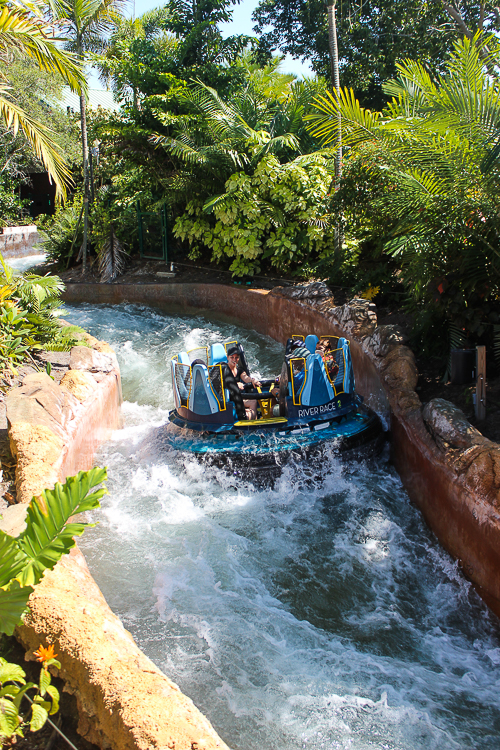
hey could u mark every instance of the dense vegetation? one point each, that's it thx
(242, 156)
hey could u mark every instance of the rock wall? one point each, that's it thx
(124, 701)
(451, 473)
(17, 242)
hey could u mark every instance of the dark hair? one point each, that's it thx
(197, 362)
(233, 350)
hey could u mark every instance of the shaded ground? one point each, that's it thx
(66, 719)
(431, 384)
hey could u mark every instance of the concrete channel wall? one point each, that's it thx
(450, 471)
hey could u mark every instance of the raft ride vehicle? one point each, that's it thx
(311, 404)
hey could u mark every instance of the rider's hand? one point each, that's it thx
(240, 386)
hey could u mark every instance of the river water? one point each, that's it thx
(315, 615)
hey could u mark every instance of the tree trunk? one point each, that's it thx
(85, 150)
(334, 67)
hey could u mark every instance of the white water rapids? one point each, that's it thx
(315, 615)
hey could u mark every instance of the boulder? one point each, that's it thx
(80, 383)
(384, 339)
(317, 290)
(449, 426)
(357, 318)
(83, 358)
(399, 369)
(40, 401)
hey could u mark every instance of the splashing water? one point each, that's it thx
(315, 615)
(26, 262)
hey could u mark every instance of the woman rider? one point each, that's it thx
(242, 379)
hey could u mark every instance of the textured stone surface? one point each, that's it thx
(12, 521)
(38, 451)
(80, 383)
(449, 426)
(83, 358)
(317, 290)
(125, 702)
(59, 359)
(483, 475)
(384, 339)
(399, 369)
(357, 318)
(39, 400)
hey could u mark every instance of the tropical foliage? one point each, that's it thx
(29, 309)
(436, 142)
(24, 30)
(372, 36)
(47, 537)
(13, 688)
(254, 192)
(23, 561)
(280, 213)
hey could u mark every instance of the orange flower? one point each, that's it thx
(45, 654)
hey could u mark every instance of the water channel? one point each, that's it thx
(314, 615)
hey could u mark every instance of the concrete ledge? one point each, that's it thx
(125, 702)
(17, 242)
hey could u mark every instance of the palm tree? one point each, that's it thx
(84, 24)
(436, 139)
(117, 66)
(23, 29)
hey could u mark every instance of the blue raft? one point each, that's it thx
(317, 404)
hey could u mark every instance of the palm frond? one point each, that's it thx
(22, 29)
(40, 140)
(358, 124)
(112, 258)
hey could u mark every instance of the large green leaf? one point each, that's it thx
(11, 672)
(13, 602)
(39, 716)
(9, 718)
(48, 535)
(12, 559)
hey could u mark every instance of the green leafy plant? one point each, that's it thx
(29, 310)
(62, 233)
(13, 688)
(280, 213)
(47, 537)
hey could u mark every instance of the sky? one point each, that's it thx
(240, 24)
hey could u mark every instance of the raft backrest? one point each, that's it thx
(310, 342)
(348, 381)
(181, 378)
(201, 352)
(202, 399)
(217, 354)
(317, 389)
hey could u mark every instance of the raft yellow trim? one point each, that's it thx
(252, 422)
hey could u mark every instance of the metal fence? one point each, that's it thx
(152, 229)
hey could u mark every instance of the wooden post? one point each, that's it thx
(480, 406)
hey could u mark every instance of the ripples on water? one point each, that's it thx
(314, 615)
